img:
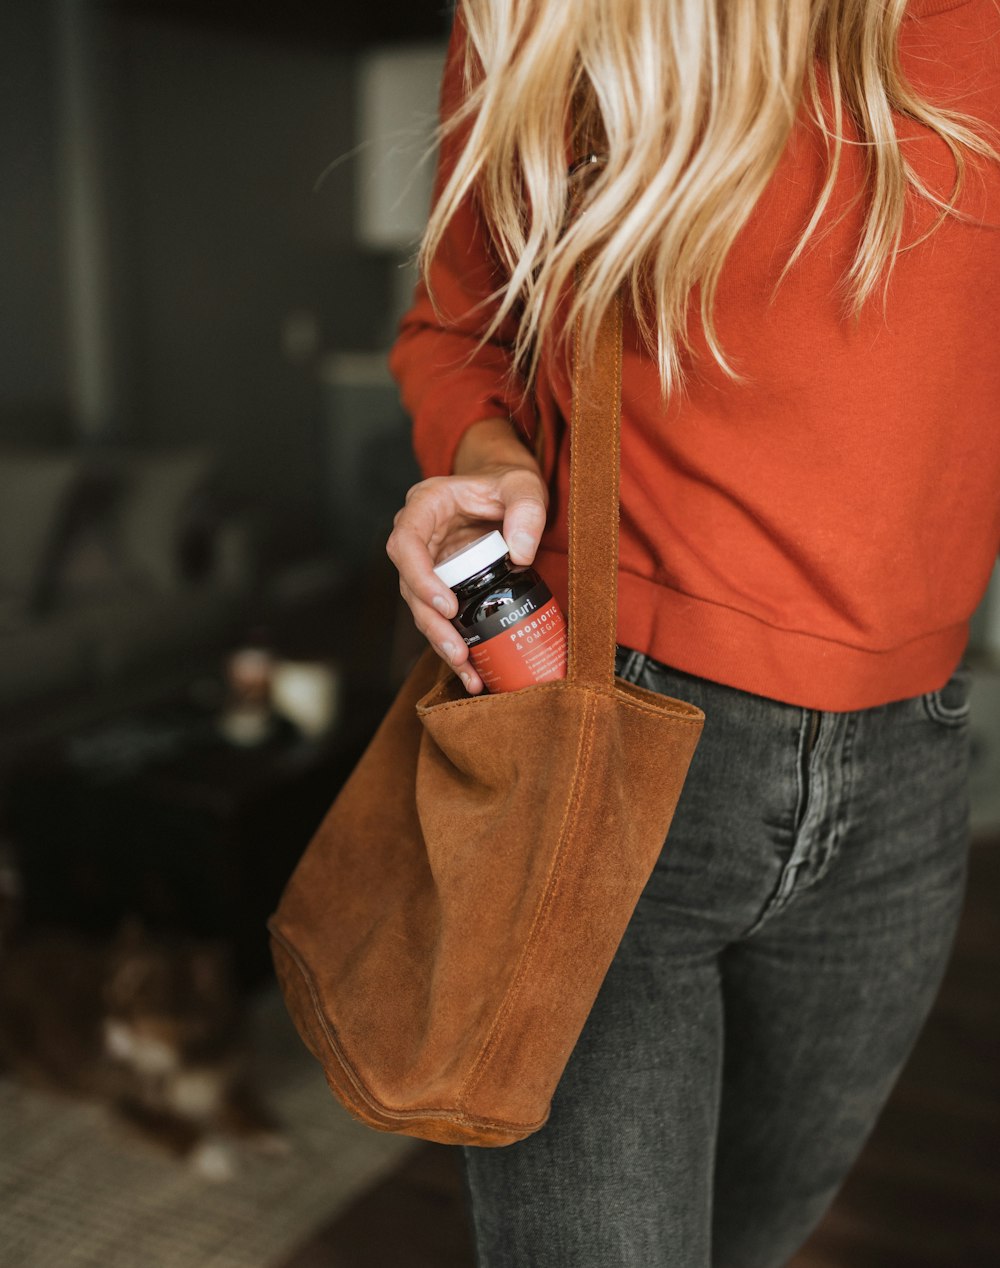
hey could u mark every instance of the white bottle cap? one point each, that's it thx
(473, 558)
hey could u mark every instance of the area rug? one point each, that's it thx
(77, 1191)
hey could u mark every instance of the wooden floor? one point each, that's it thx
(925, 1193)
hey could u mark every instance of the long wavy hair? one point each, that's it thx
(688, 105)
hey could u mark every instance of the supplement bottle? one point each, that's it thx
(512, 626)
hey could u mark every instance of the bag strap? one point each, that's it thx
(593, 504)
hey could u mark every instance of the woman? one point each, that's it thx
(805, 229)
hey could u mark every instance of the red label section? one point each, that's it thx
(532, 651)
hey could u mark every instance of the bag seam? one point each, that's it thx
(492, 1042)
(340, 1055)
(611, 528)
(564, 684)
(572, 512)
(614, 510)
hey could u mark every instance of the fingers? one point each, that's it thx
(523, 524)
(444, 638)
(442, 514)
(419, 526)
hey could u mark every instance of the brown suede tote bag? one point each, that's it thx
(445, 934)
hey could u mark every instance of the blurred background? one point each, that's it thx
(207, 219)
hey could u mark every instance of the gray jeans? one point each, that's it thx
(773, 979)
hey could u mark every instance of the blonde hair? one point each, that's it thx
(689, 104)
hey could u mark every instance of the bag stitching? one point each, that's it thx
(336, 1047)
(613, 693)
(611, 527)
(573, 656)
(481, 1064)
(616, 421)
(461, 1117)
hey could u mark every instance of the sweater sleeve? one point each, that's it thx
(448, 378)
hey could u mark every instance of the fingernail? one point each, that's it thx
(441, 603)
(449, 650)
(523, 543)
(466, 680)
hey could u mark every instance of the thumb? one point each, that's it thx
(525, 515)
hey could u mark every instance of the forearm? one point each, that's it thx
(492, 442)
(457, 385)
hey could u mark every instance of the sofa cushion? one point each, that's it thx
(35, 493)
(132, 632)
(156, 493)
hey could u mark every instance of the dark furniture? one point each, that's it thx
(153, 812)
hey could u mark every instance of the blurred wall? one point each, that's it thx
(221, 270)
(226, 249)
(32, 322)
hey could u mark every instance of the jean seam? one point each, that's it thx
(846, 794)
(802, 782)
(778, 896)
(788, 880)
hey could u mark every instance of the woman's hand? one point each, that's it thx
(497, 483)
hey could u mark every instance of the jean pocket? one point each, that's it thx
(951, 704)
(628, 663)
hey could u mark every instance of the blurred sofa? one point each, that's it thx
(114, 564)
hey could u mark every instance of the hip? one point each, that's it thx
(785, 805)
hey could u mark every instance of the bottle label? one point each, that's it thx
(520, 645)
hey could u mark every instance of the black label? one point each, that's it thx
(510, 615)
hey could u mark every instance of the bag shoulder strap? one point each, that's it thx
(595, 444)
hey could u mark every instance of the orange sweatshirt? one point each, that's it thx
(821, 534)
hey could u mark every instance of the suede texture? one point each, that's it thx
(443, 938)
